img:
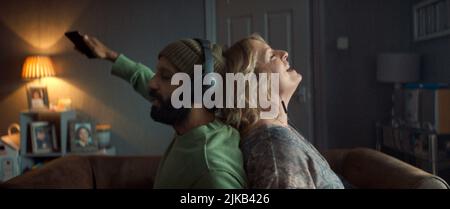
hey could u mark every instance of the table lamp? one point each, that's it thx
(398, 68)
(37, 67)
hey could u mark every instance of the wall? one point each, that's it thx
(354, 99)
(137, 28)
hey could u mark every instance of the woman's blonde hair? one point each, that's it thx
(242, 58)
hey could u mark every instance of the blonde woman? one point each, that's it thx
(276, 156)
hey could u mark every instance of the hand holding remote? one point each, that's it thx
(99, 49)
(91, 46)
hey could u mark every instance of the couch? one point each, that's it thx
(362, 168)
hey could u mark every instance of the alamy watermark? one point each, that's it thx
(258, 91)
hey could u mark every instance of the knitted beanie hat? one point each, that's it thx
(186, 53)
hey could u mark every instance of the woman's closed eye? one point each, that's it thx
(272, 57)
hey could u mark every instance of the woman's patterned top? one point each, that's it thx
(278, 157)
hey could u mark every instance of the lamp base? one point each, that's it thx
(396, 116)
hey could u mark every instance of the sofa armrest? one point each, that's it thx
(367, 168)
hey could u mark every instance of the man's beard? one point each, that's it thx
(166, 113)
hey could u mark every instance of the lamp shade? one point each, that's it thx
(37, 67)
(398, 68)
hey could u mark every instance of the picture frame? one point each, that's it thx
(43, 137)
(37, 97)
(82, 136)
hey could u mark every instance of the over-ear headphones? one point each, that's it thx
(208, 63)
(208, 60)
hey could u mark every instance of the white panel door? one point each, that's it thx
(285, 24)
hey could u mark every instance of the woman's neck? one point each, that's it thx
(281, 119)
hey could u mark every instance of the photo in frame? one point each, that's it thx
(37, 97)
(82, 136)
(43, 138)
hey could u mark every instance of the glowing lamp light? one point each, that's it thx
(36, 67)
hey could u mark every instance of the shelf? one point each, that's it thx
(424, 149)
(107, 152)
(102, 152)
(431, 19)
(47, 155)
(59, 119)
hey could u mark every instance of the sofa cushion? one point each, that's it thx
(124, 172)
